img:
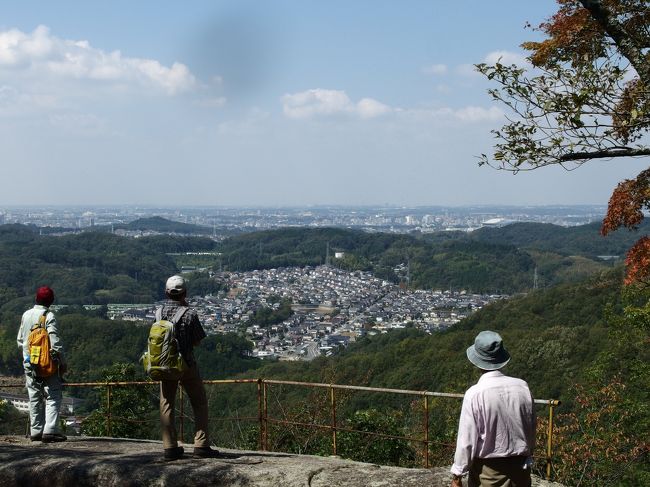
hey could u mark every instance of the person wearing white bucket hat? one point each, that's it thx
(496, 430)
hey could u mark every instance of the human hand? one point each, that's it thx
(29, 369)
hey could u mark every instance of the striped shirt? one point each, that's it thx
(497, 420)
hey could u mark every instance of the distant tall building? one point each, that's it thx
(2, 218)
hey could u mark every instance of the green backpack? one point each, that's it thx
(162, 360)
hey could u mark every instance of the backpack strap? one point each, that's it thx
(41, 323)
(179, 314)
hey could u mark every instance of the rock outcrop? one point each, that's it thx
(101, 462)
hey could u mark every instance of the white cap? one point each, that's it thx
(175, 285)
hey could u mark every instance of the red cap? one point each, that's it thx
(44, 296)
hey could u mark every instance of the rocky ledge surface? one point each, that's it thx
(84, 461)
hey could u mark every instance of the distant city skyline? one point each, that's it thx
(266, 104)
(221, 222)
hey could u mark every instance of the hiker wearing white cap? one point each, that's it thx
(188, 332)
(496, 431)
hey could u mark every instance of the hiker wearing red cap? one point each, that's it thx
(43, 363)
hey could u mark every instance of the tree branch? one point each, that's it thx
(610, 153)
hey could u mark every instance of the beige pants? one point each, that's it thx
(193, 386)
(499, 472)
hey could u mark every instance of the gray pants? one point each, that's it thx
(45, 394)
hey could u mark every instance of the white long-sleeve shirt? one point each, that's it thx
(29, 319)
(497, 420)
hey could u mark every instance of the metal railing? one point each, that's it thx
(264, 419)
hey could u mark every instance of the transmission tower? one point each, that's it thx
(408, 273)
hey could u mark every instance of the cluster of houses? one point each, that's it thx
(331, 308)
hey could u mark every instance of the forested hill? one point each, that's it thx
(98, 267)
(88, 267)
(162, 225)
(584, 240)
(488, 260)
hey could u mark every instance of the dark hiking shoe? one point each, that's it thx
(173, 453)
(38, 437)
(206, 452)
(53, 437)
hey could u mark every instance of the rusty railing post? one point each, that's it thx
(260, 418)
(182, 418)
(549, 444)
(109, 431)
(265, 445)
(426, 431)
(333, 405)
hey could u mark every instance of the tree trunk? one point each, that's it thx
(623, 40)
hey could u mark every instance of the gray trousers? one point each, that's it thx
(45, 394)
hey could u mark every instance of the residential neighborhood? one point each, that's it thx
(331, 308)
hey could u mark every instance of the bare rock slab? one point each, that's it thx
(107, 462)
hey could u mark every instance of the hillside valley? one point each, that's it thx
(578, 338)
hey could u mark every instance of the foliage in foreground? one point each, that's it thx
(130, 407)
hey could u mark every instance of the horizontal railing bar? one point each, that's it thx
(363, 388)
(549, 402)
(104, 384)
(232, 381)
(553, 402)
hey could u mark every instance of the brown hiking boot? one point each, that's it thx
(172, 454)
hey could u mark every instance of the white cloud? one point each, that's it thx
(42, 54)
(503, 57)
(506, 57)
(369, 108)
(435, 69)
(320, 102)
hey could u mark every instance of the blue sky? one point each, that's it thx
(272, 103)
